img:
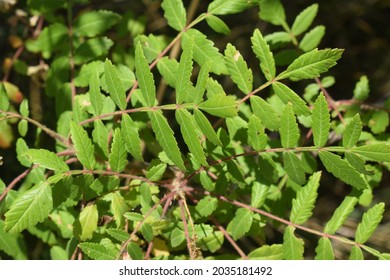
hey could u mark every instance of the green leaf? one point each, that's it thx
(177, 237)
(188, 129)
(256, 136)
(379, 122)
(362, 89)
(225, 7)
(352, 132)
(320, 121)
(49, 39)
(95, 22)
(263, 53)
(131, 137)
(206, 182)
(269, 118)
(135, 252)
(217, 24)
(47, 159)
(312, 39)
(84, 149)
(168, 68)
(294, 168)
(278, 37)
(114, 85)
(272, 11)
(341, 214)
(92, 49)
(204, 51)
(206, 206)
(24, 111)
(357, 162)
(220, 106)
(206, 127)
(183, 79)
(29, 208)
(369, 223)
(267, 252)
(11, 244)
(156, 172)
(303, 204)
(201, 83)
(212, 242)
(145, 78)
(175, 13)
(4, 100)
(147, 232)
(305, 18)
(356, 253)
(23, 127)
(259, 194)
(95, 96)
(118, 207)
(289, 131)
(238, 69)
(87, 222)
(342, 170)
(152, 45)
(311, 64)
(293, 247)
(288, 95)
(324, 250)
(118, 155)
(165, 137)
(118, 234)
(97, 251)
(240, 224)
(376, 152)
(100, 138)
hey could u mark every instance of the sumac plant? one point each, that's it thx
(167, 147)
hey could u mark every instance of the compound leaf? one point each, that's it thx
(238, 69)
(83, 145)
(369, 223)
(287, 95)
(47, 159)
(164, 135)
(240, 224)
(341, 214)
(320, 121)
(114, 85)
(303, 204)
(29, 208)
(303, 21)
(175, 13)
(263, 53)
(324, 250)
(289, 131)
(342, 170)
(293, 247)
(311, 64)
(352, 132)
(118, 155)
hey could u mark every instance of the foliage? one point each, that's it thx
(186, 155)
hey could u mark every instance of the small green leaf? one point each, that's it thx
(342, 170)
(341, 214)
(49, 39)
(11, 244)
(303, 21)
(29, 208)
(47, 159)
(240, 224)
(118, 234)
(147, 232)
(267, 252)
(183, 79)
(358, 163)
(114, 85)
(92, 49)
(376, 152)
(220, 106)
(118, 207)
(97, 251)
(24, 111)
(177, 237)
(95, 22)
(272, 11)
(100, 138)
(356, 253)
(83, 145)
(156, 172)
(352, 132)
(379, 122)
(165, 137)
(303, 204)
(324, 250)
(238, 69)
(95, 96)
(263, 53)
(118, 155)
(168, 68)
(259, 194)
(269, 118)
(312, 39)
(87, 222)
(369, 223)
(320, 121)
(201, 83)
(311, 64)
(212, 242)
(23, 127)
(225, 7)
(131, 137)
(4, 100)
(288, 95)
(145, 78)
(204, 51)
(294, 168)
(362, 89)
(256, 136)
(217, 24)
(289, 131)
(206, 206)
(175, 13)
(293, 247)
(188, 129)
(206, 127)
